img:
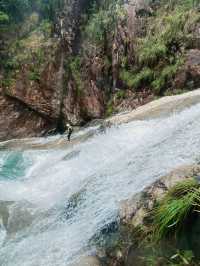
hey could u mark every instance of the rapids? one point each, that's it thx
(38, 224)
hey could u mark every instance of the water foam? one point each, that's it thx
(102, 171)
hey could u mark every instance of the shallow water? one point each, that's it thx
(39, 227)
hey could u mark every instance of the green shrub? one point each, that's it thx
(121, 95)
(164, 77)
(151, 51)
(110, 109)
(7, 82)
(175, 208)
(166, 36)
(144, 77)
(158, 84)
(173, 32)
(46, 28)
(11, 64)
(103, 20)
(75, 69)
(4, 18)
(34, 75)
(40, 56)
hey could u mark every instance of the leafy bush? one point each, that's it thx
(145, 76)
(34, 75)
(46, 28)
(164, 77)
(110, 109)
(151, 51)
(4, 18)
(6, 82)
(175, 208)
(103, 20)
(121, 95)
(75, 68)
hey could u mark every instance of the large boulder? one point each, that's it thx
(38, 82)
(159, 108)
(136, 209)
(189, 75)
(18, 120)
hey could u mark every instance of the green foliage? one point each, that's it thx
(165, 38)
(160, 53)
(151, 51)
(16, 11)
(6, 82)
(180, 258)
(4, 18)
(175, 208)
(184, 257)
(75, 69)
(120, 95)
(110, 109)
(46, 28)
(34, 75)
(164, 77)
(135, 81)
(103, 20)
(183, 4)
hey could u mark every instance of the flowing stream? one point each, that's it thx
(52, 202)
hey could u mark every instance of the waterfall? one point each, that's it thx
(53, 202)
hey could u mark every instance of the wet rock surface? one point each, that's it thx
(135, 210)
(135, 214)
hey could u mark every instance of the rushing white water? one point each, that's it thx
(35, 186)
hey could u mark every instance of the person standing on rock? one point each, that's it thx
(69, 130)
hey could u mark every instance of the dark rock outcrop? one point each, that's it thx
(189, 74)
(17, 120)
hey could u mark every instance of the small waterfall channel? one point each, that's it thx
(38, 224)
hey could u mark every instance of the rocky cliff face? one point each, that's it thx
(88, 65)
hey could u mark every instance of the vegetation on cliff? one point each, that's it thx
(169, 233)
(160, 53)
(94, 58)
(145, 61)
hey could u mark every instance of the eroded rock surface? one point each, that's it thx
(135, 210)
(135, 214)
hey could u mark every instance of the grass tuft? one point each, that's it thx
(171, 213)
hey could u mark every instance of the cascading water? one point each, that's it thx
(52, 202)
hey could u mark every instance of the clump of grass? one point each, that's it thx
(135, 81)
(151, 51)
(75, 68)
(171, 213)
(160, 53)
(34, 75)
(120, 95)
(164, 77)
(110, 109)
